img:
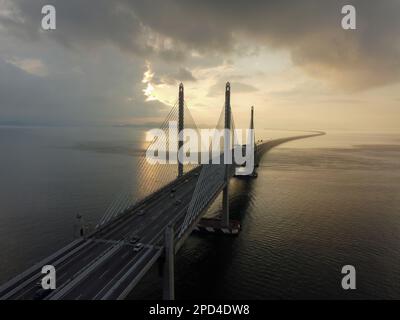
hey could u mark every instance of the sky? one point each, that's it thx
(120, 62)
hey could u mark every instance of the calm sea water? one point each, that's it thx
(317, 205)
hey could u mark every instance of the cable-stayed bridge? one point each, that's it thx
(134, 234)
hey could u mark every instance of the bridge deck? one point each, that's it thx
(90, 268)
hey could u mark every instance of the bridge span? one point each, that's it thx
(108, 263)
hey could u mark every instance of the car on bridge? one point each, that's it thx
(138, 247)
(141, 212)
(133, 240)
(41, 293)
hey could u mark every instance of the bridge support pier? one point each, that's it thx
(225, 207)
(228, 156)
(169, 265)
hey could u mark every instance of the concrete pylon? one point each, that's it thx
(252, 118)
(180, 129)
(253, 137)
(227, 148)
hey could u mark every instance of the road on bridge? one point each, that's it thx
(91, 268)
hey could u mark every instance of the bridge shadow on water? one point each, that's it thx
(202, 262)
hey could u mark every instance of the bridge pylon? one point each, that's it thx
(180, 129)
(255, 154)
(253, 142)
(227, 149)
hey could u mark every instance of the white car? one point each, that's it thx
(138, 247)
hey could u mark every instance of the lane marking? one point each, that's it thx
(82, 274)
(139, 257)
(103, 274)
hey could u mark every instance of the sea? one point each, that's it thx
(317, 205)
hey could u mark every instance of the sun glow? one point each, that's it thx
(147, 78)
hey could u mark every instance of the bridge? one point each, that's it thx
(135, 234)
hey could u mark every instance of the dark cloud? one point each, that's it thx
(95, 91)
(173, 78)
(309, 29)
(184, 75)
(89, 23)
(173, 33)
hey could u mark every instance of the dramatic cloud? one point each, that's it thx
(76, 89)
(182, 75)
(309, 29)
(94, 63)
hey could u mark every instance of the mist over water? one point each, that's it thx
(317, 204)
